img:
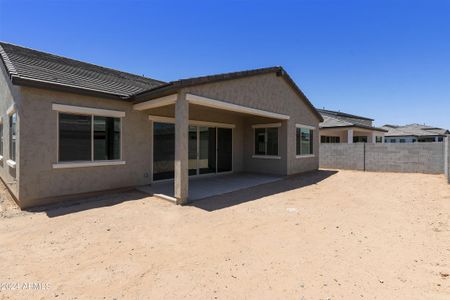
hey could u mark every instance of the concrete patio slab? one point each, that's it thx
(205, 187)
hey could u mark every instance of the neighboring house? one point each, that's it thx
(339, 127)
(71, 128)
(414, 133)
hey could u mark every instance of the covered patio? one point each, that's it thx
(209, 186)
(350, 135)
(201, 146)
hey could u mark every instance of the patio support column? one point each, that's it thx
(181, 182)
(374, 137)
(350, 136)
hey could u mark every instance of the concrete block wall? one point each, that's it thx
(342, 156)
(406, 158)
(426, 158)
(447, 158)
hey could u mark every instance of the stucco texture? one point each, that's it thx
(39, 135)
(272, 93)
(10, 95)
(41, 183)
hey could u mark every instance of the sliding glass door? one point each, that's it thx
(207, 153)
(210, 150)
(224, 149)
(163, 151)
(193, 146)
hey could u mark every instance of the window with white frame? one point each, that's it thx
(88, 138)
(1, 137)
(12, 136)
(304, 141)
(266, 140)
(330, 139)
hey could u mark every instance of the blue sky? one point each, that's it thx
(389, 60)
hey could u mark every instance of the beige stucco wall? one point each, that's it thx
(10, 95)
(270, 93)
(40, 181)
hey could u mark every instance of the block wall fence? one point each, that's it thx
(447, 158)
(428, 158)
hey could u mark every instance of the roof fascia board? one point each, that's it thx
(23, 81)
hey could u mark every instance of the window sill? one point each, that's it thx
(66, 165)
(266, 156)
(305, 156)
(11, 163)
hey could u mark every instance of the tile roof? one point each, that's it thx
(35, 68)
(341, 114)
(414, 130)
(28, 65)
(334, 122)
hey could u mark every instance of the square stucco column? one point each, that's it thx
(181, 182)
(350, 136)
(373, 137)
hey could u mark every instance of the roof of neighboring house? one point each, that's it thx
(36, 68)
(415, 130)
(333, 122)
(174, 86)
(341, 114)
(30, 67)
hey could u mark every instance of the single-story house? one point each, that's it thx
(73, 128)
(413, 133)
(338, 127)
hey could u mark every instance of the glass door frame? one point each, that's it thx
(216, 128)
(169, 120)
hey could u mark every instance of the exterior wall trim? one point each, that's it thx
(11, 163)
(270, 125)
(266, 156)
(88, 164)
(305, 126)
(208, 102)
(87, 110)
(158, 102)
(191, 122)
(11, 110)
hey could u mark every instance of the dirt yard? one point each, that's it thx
(325, 235)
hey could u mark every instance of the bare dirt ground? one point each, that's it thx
(324, 235)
